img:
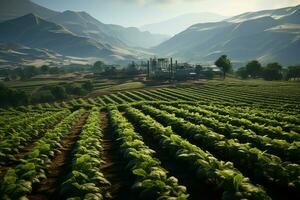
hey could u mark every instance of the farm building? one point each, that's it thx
(164, 68)
(159, 68)
(184, 71)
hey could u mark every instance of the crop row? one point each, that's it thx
(261, 97)
(287, 126)
(11, 145)
(270, 131)
(203, 164)
(151, 180)
(17, 183)
(258, 164)
(86, 181)
(281, 148)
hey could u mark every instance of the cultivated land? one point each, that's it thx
(200, 140)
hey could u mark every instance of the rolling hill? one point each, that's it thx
(269, 36)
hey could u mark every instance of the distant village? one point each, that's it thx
(167, 69)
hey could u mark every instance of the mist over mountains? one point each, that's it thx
(269, 36)
(81, 23)
(180, 23)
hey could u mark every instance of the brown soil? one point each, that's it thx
(114, 167)
(26, 149)
(59, 165)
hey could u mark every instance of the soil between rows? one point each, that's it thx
(60, 166)
(114, 168)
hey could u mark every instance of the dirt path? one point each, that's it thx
(59, 167)
(114, 168)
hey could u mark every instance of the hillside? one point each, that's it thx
(38, 33)
(16, 55)
(82, 24)
(269, 36)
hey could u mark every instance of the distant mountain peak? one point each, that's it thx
(10, 9)
(27, 20)
(32, 17)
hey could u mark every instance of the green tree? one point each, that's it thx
(273, 71)
(98, 66)
(45, 69)
(54, 70)
(59, 92)
(9, 97)
(110, 71)
(28, 72)
(224, 64)
(88, 85)
(293, 72)
(78, 90)
(253, 68)
(43, 96)
(242, 72)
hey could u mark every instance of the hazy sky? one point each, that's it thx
(140, 12)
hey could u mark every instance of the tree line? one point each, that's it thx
(271, 72)
(254, 69)
(27, 72)
(49, 93)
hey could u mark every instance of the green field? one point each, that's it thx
(214, 139)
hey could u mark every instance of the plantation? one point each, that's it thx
(231, 140)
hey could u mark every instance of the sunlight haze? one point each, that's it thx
(139, 12)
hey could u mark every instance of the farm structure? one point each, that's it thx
(165, 68)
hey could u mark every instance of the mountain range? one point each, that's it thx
(81, 23)
(180, 23)
(36, 32)
(269, 36)
(70, 33)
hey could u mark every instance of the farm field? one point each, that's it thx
(208, 140)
